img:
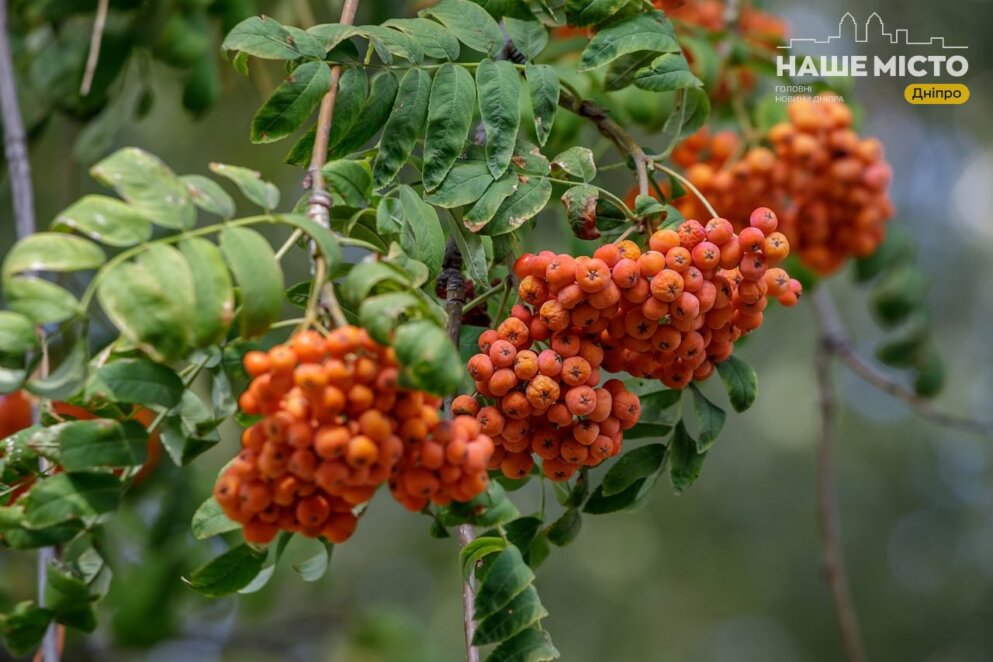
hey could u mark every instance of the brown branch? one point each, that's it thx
(837, 343)
(14, 137)
(835, 573)
(454, 282)
(96, 39)
(625, 143)
(319, 204)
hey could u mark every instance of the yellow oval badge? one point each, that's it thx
(936, 93)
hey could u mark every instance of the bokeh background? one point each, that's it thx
(730, 571)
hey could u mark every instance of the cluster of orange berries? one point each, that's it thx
(335, 426)
(547, 401)
(828, 185)
(671, 312)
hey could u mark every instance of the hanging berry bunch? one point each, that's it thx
(827, 184)
(671, 313)
(335, 426)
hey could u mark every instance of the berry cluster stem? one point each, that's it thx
(624, 141)
(688, 184)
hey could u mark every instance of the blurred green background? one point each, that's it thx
(728, 572)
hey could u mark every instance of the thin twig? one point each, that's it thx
(688, 184)
(472, 303)
(14, 137)
(453, 280)
(837, 342)
(19, 167)
(613, 131)
(835, 573)
(319, 204)
(96, 39)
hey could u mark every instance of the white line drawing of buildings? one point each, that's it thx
(874, 27)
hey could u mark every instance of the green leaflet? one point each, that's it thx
(403, 126)
(259, 278)
(641, 32)
(213, 291)
(450, 110)
(107, 220)
(499, 92)
(470, 24)
(292, 103)
(543, 82)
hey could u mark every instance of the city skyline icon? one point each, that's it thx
(873, 26)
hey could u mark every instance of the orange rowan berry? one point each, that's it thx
(330, 442)
(525, 364)
(256, 363)
(517, 465)
(515, 332)
(282, 359)
(361, 452)
(581, 400)
(502, 381)
(466, 405)
(308, 346)
(561, 271)
(532, 290)
(421, 482)
(490, 420)
(486, 339)
(480, 367)
(592, 274)
(559, 414)
(664, 240)
(542, 392)
(764, 219)
(554, 315)
(258, 532)
(650, 263)
(339, 527)
(515, 405)
(626, 273)
(678, 259)
(719, 231)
